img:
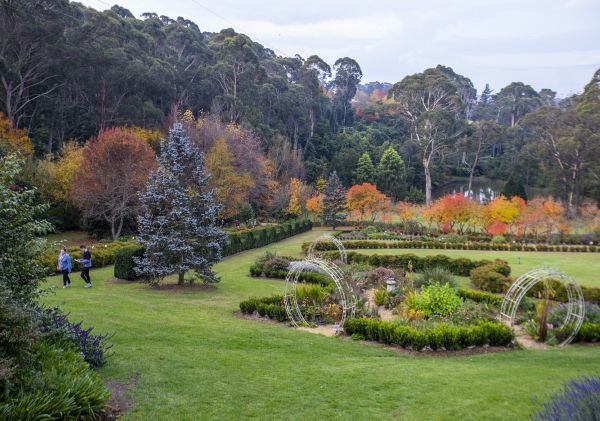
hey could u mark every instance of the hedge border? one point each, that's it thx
(436, 245)
(440, 337)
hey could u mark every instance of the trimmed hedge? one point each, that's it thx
(261, 236)
(418, 244)
(103, 254)
(238, 241)
(460, 266)
(439, 337)
(589, 332)
(124, 264)
(306, 277)
(480, 296)
(271, 307)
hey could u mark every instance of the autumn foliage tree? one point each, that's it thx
(107, 188)
(542, 215)
(13, 140)
(232, 186)
(502, 215)
(365, 201)
(455, 212)
(297, 203)
(315, 204)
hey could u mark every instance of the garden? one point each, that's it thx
(415, 302)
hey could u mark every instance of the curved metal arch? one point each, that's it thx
(292, 307)
(518, 290)
(310, 253)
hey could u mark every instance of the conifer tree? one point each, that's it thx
(514, 187)
(391, 174)
(177, 224)
(365, 171)
(334, 201)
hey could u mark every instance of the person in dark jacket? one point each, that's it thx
(64, 266)
(86, 262)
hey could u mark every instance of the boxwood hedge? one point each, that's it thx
(440, 337)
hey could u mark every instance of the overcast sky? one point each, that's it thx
(545, 43)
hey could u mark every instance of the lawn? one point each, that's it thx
(194, 359)
(583, 267)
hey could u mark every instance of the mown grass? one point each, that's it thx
(583, 267)
(196, 360)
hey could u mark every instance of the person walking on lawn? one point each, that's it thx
(86, 261)
(64, 266)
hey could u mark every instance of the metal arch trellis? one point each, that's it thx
(310, 253)
(516, 292)
(292, 307)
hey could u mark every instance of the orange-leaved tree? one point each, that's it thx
(115, 167)
(543, 215)
(455, 212)
(315, 204)
(365, 201)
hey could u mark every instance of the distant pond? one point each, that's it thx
(483, 189)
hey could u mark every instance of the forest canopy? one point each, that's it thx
(69, 72)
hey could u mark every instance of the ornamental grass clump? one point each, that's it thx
(578, 401)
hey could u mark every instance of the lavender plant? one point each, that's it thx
(578, 401)
(56, 327)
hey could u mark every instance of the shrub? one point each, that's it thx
(315, 293)
(460, 266)
(480, 296)
(271, 307)
(588, 332)
(558, 313)
(434, 275)
(277, 263)
(578, 401)
(17, 336)
(498, 239)
(439, 337)
(435, 300)
(56, 328)
(103, 254)
(492, 277)
(380, 296)
(124, 262)
(59, 386)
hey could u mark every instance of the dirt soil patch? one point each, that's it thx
(118, 403)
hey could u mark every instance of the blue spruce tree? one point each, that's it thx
(177, 225)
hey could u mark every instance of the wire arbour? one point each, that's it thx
(310, 253)
(347, 299)
(518, 290)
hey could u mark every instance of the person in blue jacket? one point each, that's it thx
(64, 266)
(86, 261)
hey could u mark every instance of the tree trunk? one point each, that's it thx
(428, 200)
(181, 278)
